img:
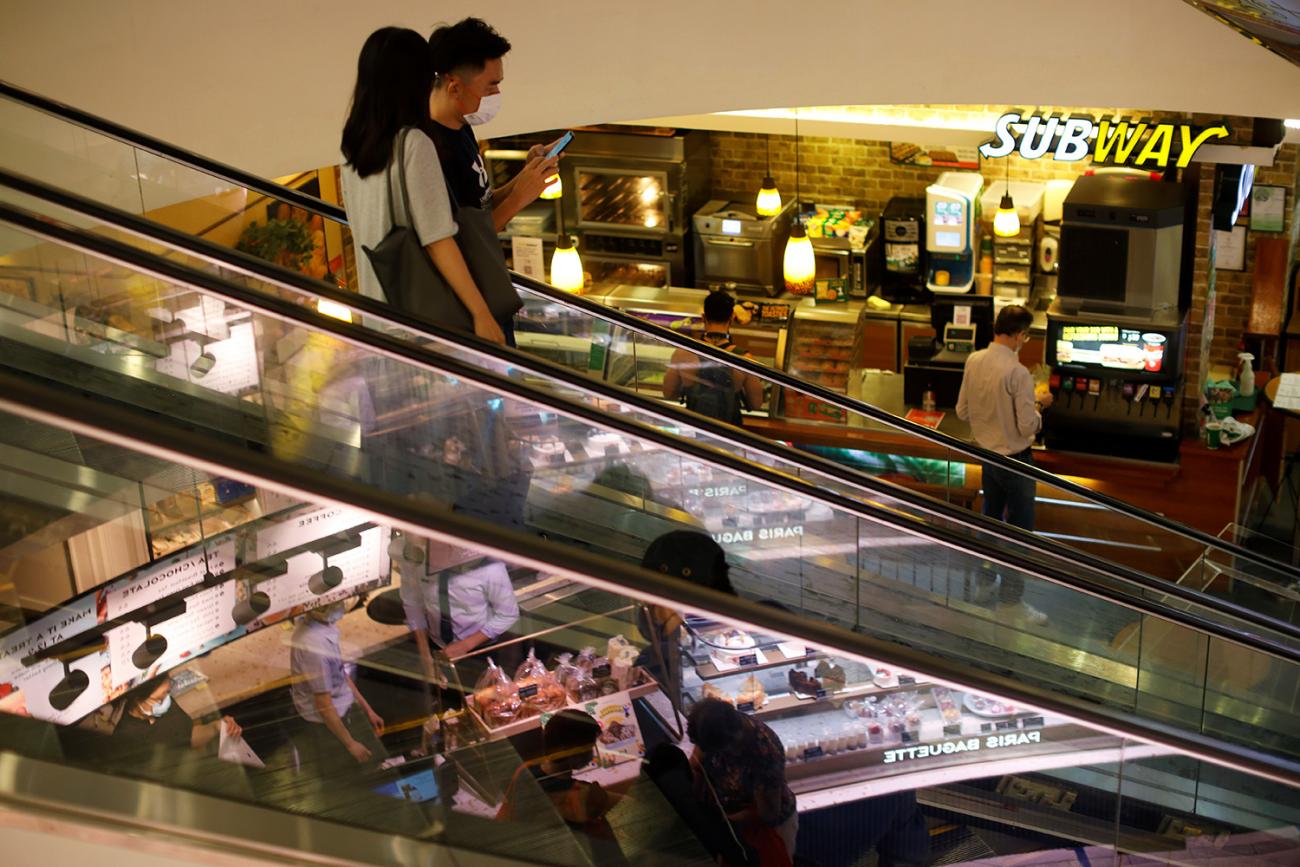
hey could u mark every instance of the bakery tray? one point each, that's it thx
(518, 727)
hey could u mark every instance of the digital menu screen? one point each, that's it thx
(949, 213)
(1112, 346)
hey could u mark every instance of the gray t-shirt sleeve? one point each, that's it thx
(430, 207)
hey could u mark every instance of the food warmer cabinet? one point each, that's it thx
(823, 348)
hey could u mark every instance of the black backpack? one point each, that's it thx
(714, 393)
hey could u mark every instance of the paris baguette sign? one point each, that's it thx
(1117, 141)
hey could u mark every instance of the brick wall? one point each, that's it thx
(860, 172)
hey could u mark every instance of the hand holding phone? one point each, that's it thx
(560, 144)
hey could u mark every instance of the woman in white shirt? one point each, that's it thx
(394, 84)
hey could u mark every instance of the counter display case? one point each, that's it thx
(844, 722)
(823, 347)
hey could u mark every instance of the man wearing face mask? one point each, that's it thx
(467, 63)
(341, 730)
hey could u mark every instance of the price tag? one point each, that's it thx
(907, 737)
(747, 659)
(906, 680)
(526, 692)
(985, 728)
(821, 694)
(600, 671)
(1006, 725)
(813, 752)
(1032, 722)
(952, 730)
(745, 707)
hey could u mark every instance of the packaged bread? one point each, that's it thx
(496, 696)
(538, 689)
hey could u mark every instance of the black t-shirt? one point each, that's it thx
(462, 164)
(172, 729)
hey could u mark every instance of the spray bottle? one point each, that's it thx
(1246, 379)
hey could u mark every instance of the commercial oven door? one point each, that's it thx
(730, 260)
(628, 198)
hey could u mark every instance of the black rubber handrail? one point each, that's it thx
(970, 450)
(163, 438)
(300, 283)
(128, 256)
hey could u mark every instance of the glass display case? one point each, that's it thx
(842, 721)
(824, 346)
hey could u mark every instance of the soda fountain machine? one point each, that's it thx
(1116, 334)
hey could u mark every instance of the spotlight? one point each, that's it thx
(325, 580)
(70, 688)
(149, 651)
(248, 610)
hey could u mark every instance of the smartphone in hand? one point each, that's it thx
(560, 145)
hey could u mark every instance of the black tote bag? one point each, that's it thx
(410, 280)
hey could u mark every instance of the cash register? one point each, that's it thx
(964, 324)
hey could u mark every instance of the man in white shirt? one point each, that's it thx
(474, 591)
(997, 399)
(341, 730)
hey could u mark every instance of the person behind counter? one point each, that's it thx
(568, 745)
(691, 556)
(341, 730)
(708, 387)
(742, 761)
(997, 398)
(152, 718)
(453, 598)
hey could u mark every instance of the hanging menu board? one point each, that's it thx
(202, 620)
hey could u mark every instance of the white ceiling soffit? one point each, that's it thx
(265, 85)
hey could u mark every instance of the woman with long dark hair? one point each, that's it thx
(394, 83)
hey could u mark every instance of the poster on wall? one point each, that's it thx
(1267, 209)
(949, 157)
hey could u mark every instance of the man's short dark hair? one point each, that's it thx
(1013, 320)
(570, 730)
(465, 47)
(719, 306)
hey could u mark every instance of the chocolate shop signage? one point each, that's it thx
(962, 745)
(1142, 144)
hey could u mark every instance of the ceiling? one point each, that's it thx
(265, 85)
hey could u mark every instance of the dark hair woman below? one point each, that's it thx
(743, 761)
(394, 83)
(153, 718)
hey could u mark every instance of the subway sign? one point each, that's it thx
(1117, 141)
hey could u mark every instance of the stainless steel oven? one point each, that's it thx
(734, 246)
(630, 193)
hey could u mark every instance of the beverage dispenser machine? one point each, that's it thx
(1117, 383)
(951, 218)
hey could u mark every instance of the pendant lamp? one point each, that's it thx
(768, 203)
(800, 265)
(1006, 222)
(566, 266)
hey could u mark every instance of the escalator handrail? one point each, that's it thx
(301, 283)
(145, 142)
(129, 256)
(66, 408)
(314, 205)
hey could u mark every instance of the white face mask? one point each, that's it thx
(160, 708)
(328, 614)
(488, 107)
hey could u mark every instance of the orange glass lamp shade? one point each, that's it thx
(800, 264)
(566, 267)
